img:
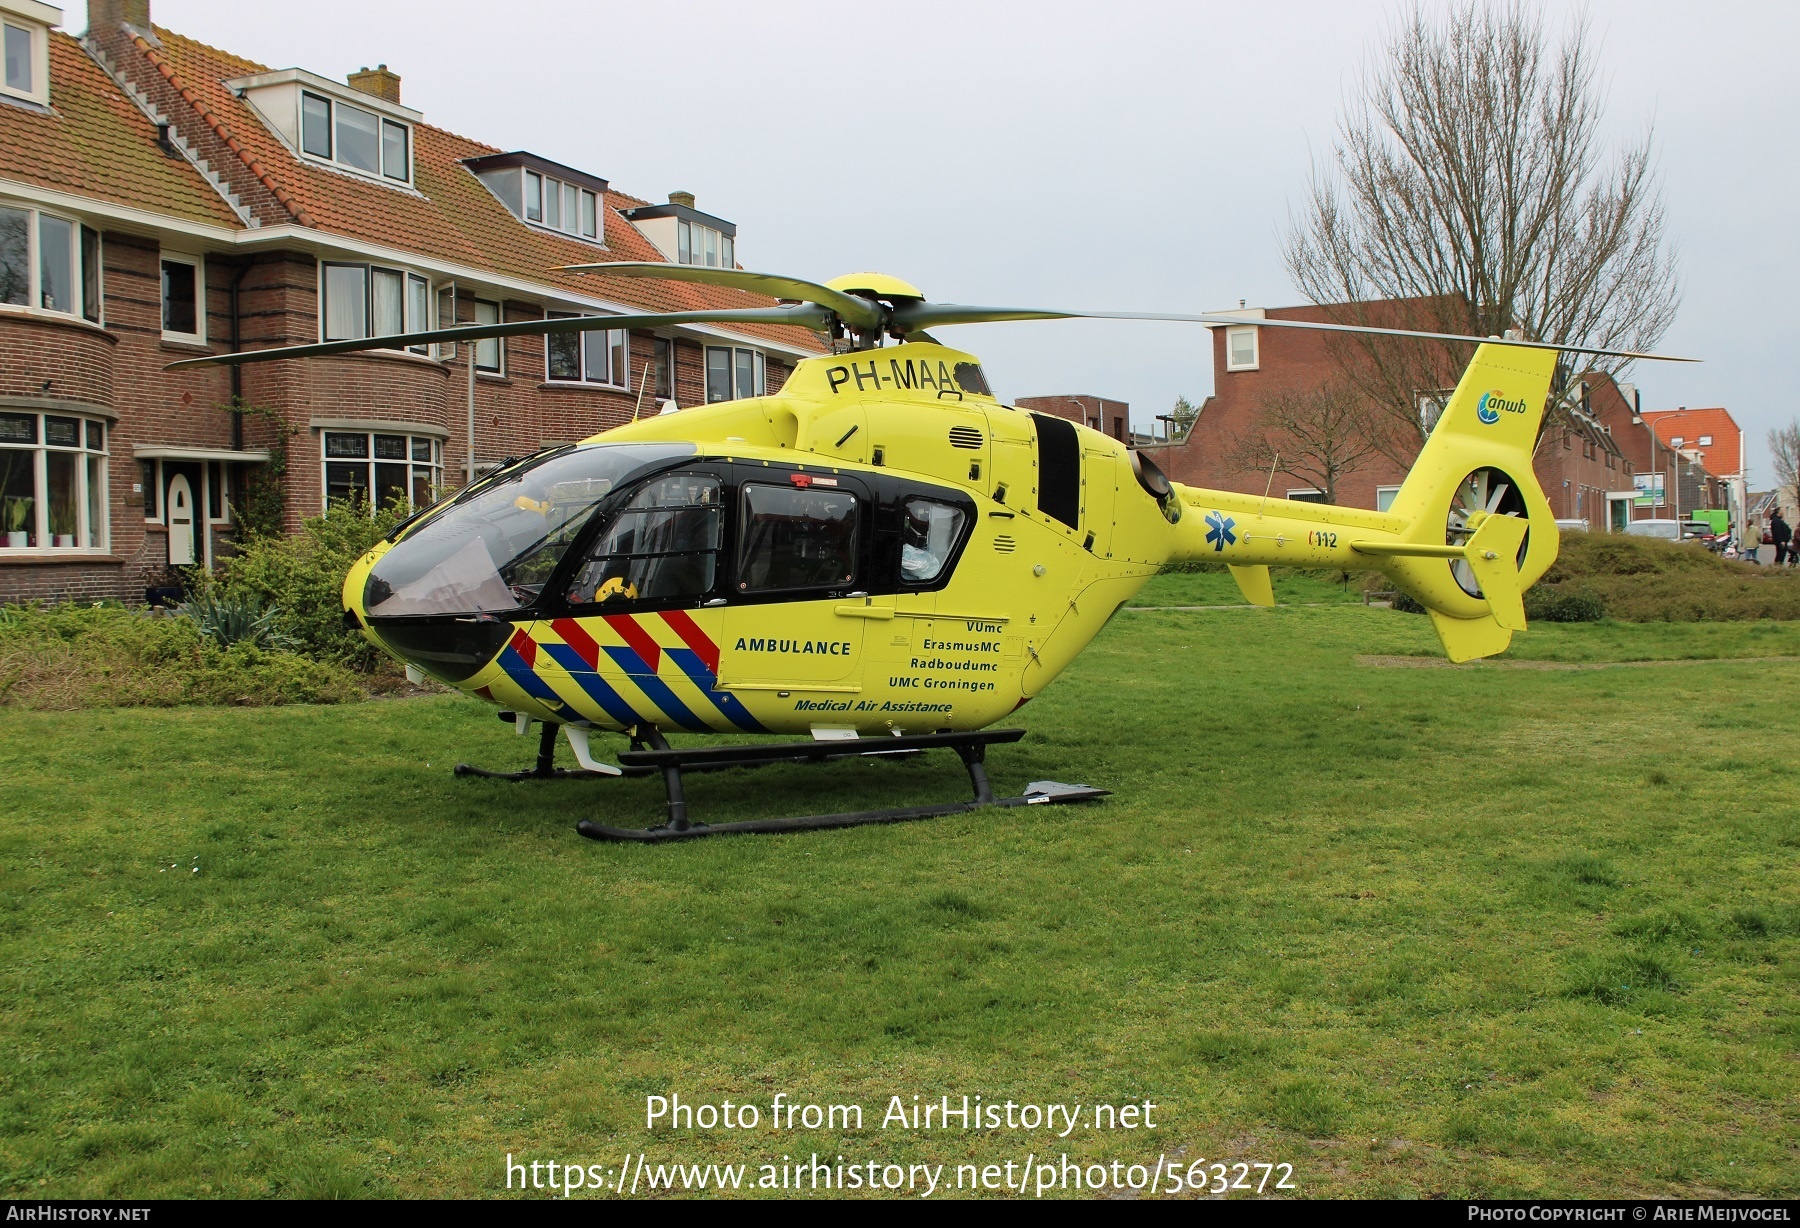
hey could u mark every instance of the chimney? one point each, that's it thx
(109, 14)
(682, 198)
(377, 81)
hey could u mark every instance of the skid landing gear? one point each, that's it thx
(970, 747)
(544, 769)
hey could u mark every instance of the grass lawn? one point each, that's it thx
(1471, 931)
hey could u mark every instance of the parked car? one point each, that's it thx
(1668, 530)
(1577, 525)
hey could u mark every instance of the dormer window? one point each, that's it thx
(354, 137)
(697, 244)
(25, 41)
(543, 193)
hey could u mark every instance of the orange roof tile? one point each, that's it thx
(1722, 457)
(452, 216)
(95, 142)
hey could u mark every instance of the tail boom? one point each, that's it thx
(1468, 532)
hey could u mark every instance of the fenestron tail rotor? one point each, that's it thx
(866, 306)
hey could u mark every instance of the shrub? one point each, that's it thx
(303, 575)
(1642, 579)
(227, 618)
(1545, 603)
(69, 657)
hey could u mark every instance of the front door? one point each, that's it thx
(181, 522)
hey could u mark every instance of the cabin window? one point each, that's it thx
(794, 537)
(928, 537)
(663, 545)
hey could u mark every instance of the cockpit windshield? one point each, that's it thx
(494, 552)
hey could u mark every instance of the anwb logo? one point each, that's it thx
(1491, 403)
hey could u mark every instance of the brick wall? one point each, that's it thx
(1102, 413)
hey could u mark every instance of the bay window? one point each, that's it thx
(733, 374)
(601, 356)
(353, 137)
(374, 469)
(49, 262)
(365, 300)
(52, 482)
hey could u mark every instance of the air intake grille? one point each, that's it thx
(965, 437)
(1005, 544)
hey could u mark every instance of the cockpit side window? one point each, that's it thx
(662, 546)
(794, 538)
(492, 550)
(929, 533)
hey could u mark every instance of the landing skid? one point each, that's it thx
(544, 769)
(970, 747)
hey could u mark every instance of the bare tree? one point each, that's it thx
(1470, 192)
(1784, 449)
(1316, 436)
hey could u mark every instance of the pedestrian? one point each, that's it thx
(1782, 535)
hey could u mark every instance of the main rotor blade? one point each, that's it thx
(909, 316)
(804, 315)
(860, 313)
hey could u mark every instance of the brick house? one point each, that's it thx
(161, 199)
(1583, 469)
(1103, 414)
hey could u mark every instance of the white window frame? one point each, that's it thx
(34, 266)
(382, 173)
(40, 59)
(498, 369)
(547, 183)
(759, 379)
(724, 246)
(1705, 441)
(1231, 335)
(1294, 493)
(615, 337)
(434, 467)
(409, 315)
(84, 480)
(198, 263)
(1390, 491)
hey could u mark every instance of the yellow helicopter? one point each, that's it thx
(882, 556)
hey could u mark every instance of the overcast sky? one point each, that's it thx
(1105, 155)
